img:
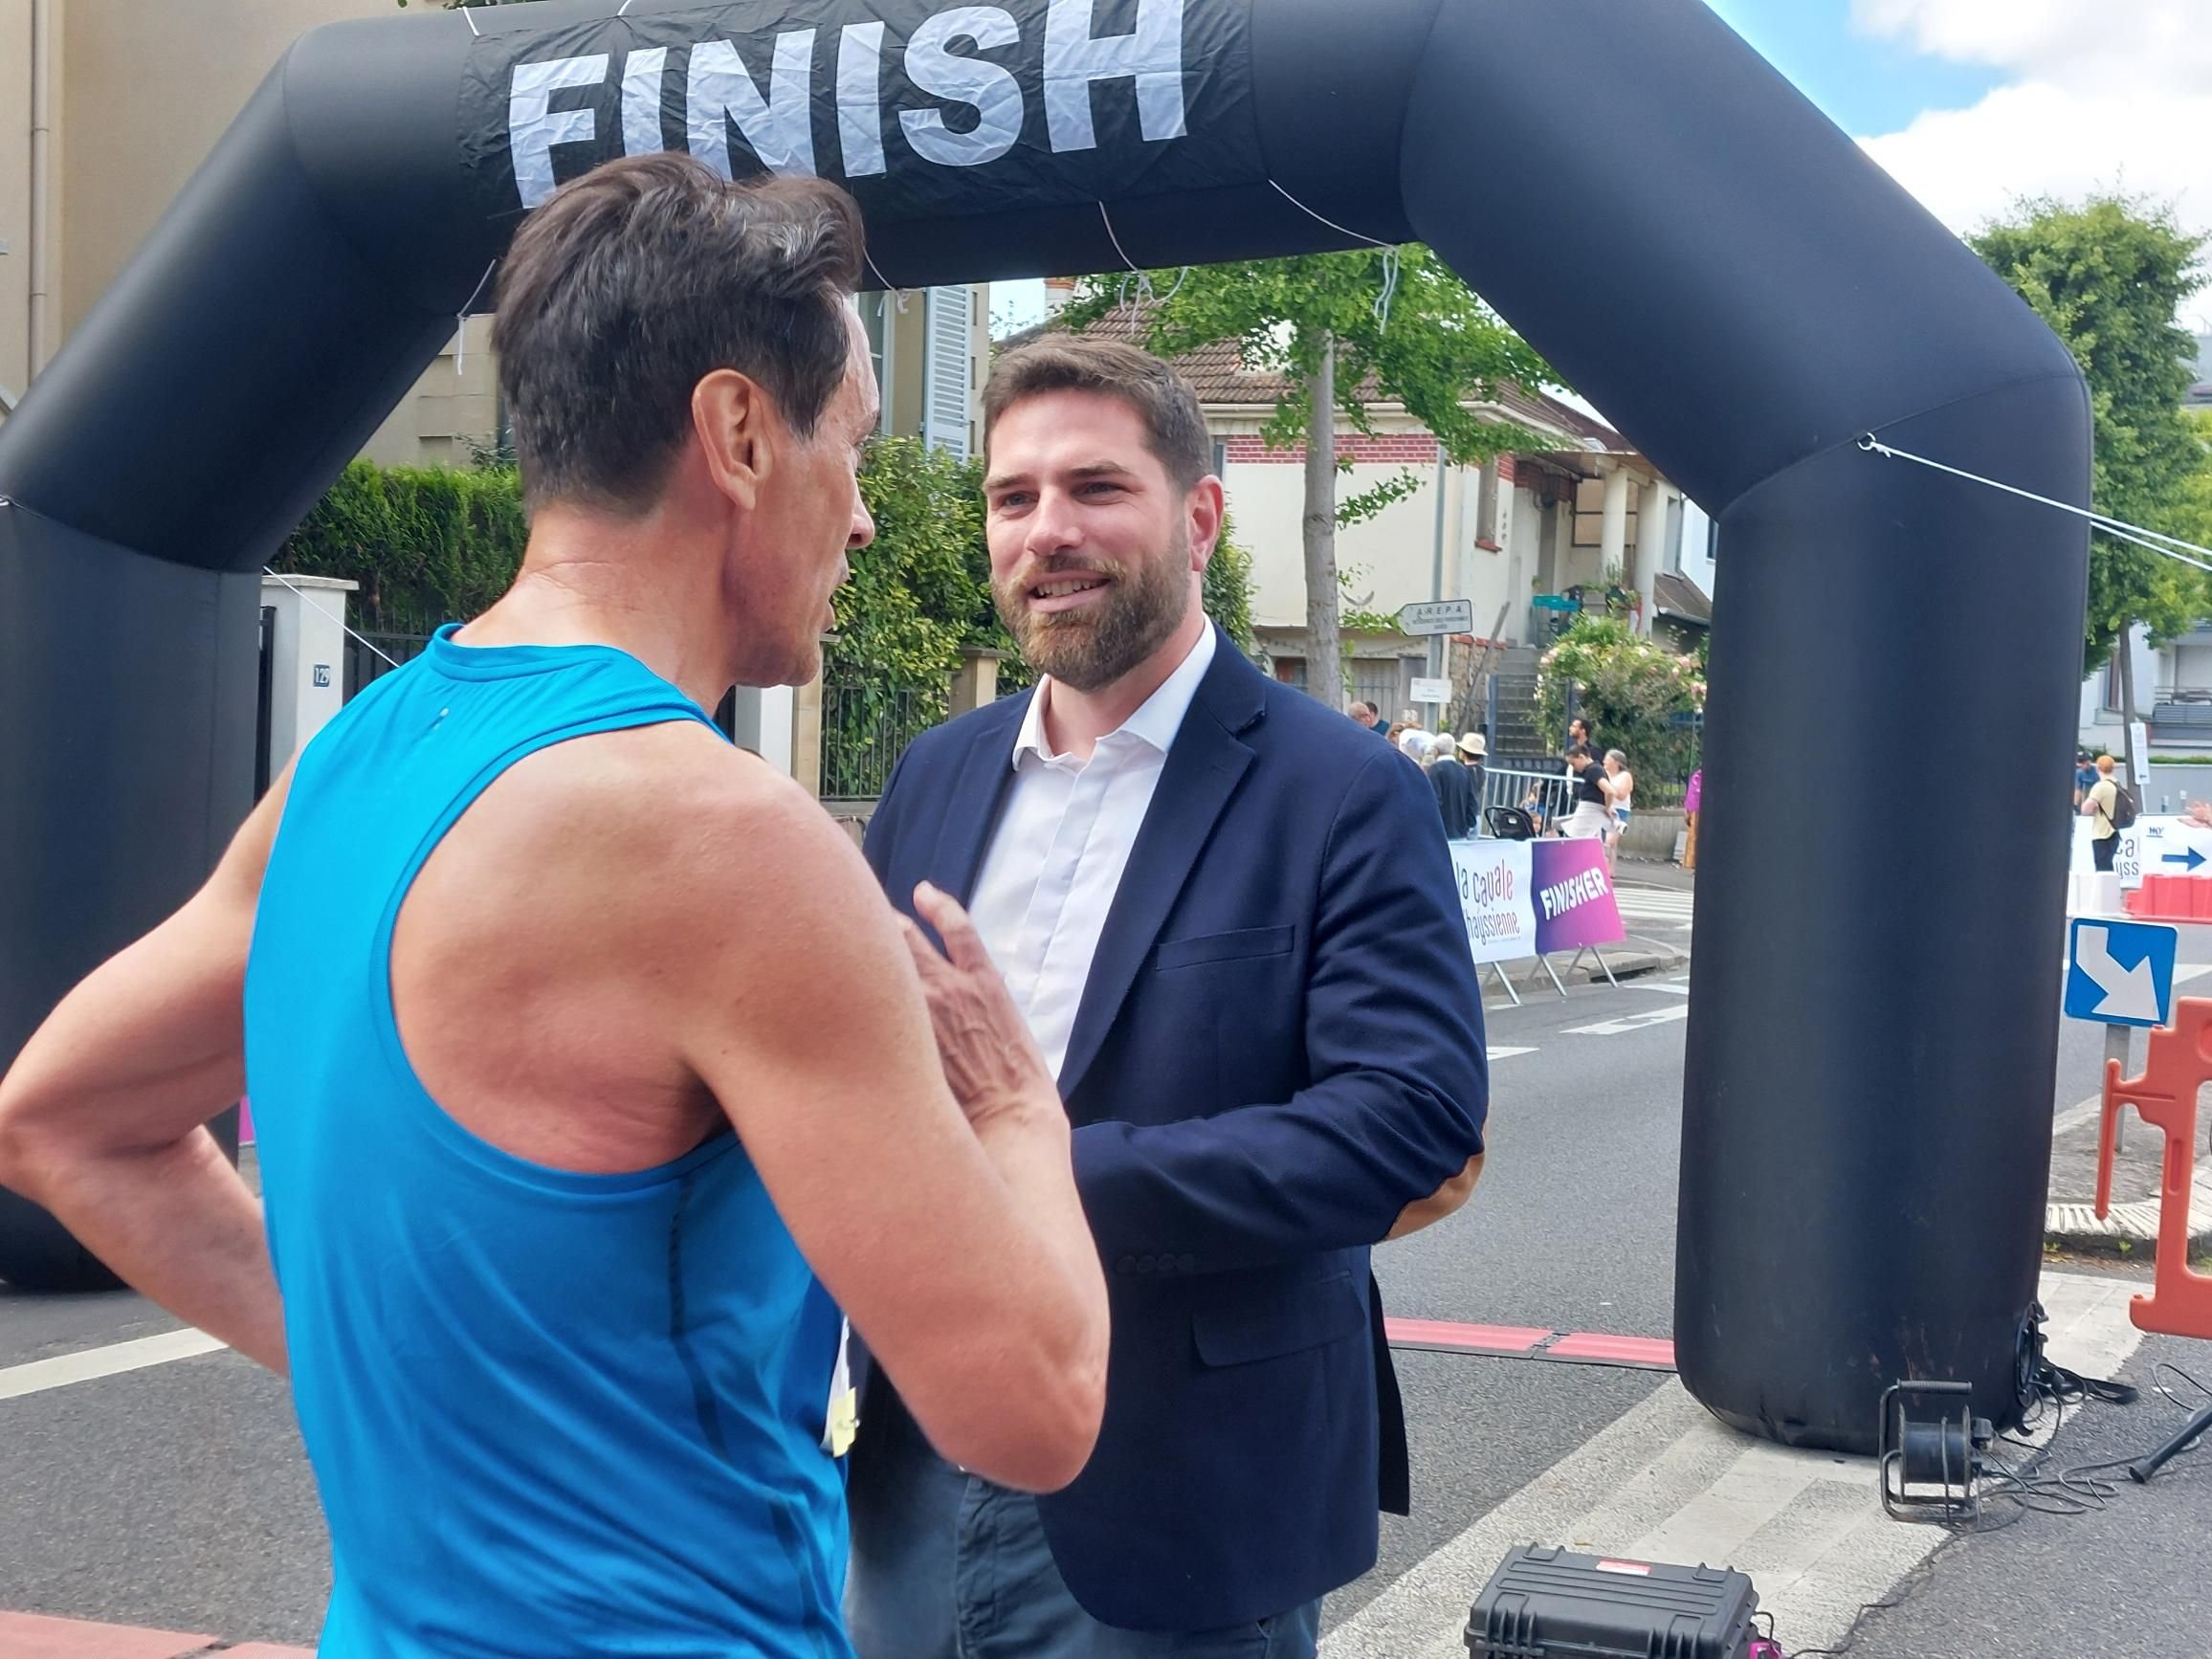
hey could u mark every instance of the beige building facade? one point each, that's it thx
(106, 108)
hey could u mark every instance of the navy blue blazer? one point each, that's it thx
(1279, 1046)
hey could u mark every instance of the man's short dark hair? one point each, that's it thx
(1578, 753)
(634, 283)
(1174, 425)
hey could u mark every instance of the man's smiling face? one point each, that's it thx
(1090, 538)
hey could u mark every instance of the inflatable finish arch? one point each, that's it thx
(1874, 1032)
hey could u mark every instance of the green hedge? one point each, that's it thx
(428, 545)
(431, 544)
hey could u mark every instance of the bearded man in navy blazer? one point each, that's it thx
(1230, 921)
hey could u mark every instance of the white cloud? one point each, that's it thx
(2103, 94)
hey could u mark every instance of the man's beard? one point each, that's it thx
(1096, 645)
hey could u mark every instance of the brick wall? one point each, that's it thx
(1385, 450)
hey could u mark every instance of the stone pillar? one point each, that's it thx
(307, 659)
(806, 736)
(1493, 513)
(975, 682)
(778, 721)
(1650, 549)
(1615, 530)
(1556, 566)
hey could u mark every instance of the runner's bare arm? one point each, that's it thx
(959, 1250)
(102, 1115)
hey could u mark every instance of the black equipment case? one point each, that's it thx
(1546, 1603)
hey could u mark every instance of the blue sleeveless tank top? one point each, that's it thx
(549, 1413)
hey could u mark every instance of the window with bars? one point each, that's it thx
(1378, 680)
(1375, 679)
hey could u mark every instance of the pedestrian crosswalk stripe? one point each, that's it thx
(1659, 1016)
(1654, 904)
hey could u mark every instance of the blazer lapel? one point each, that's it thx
(971, 812)
(1203, 767)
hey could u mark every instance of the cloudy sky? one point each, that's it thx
(1974, 104)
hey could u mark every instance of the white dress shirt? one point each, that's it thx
(1056, 859)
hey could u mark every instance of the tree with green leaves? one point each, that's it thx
(1347, 332)
(2193, 511)
(2109, 275)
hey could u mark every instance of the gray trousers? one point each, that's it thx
(946, 1565)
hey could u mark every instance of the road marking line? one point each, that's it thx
(112, 1360)
(1632, 1022)
(1507, 1053)
(1671, 988)
(1666, 1473)
(1717, 1522)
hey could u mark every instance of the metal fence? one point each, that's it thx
(865, 728)
(1548, 796)
(1545, 796)
(370, 656)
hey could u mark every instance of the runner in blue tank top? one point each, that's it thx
(579, 1043)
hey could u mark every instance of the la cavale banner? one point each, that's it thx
(1526, 898)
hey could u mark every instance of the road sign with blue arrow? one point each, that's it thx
(2188, 860)
(2121, 973)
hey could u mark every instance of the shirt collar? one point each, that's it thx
(1156, 721)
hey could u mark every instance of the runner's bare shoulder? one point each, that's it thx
(651, 842)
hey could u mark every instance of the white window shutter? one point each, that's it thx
(945, 391)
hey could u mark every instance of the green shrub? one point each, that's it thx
(433, 544)
(1639, 698)
(428, 545)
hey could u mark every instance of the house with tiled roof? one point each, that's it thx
(1529, 540)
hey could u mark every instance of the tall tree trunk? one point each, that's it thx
(1324, 655)
(2127, 649)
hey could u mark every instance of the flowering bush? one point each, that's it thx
(1639, 698)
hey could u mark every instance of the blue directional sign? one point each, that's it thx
(2121, 973)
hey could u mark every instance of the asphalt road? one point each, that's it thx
(178, 1496)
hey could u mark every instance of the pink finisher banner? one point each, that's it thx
(1574, 897)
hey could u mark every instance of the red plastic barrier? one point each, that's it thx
(2177, 1062)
